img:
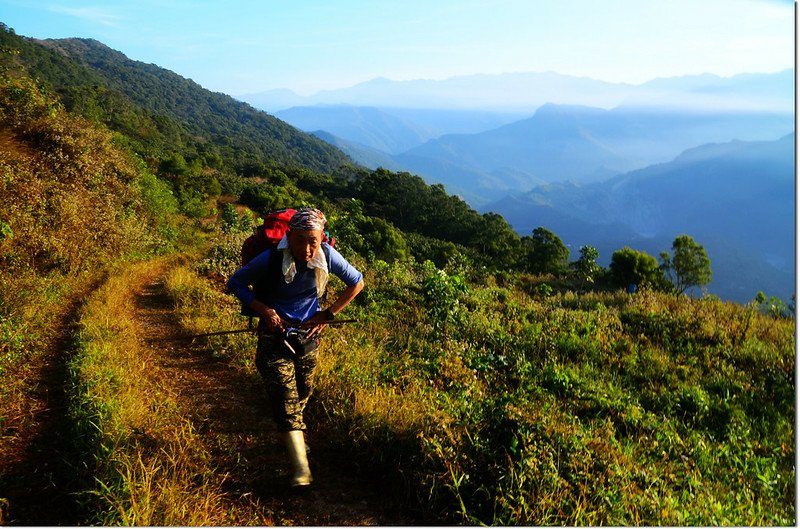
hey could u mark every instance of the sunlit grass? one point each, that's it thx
(150, 466)
(601, 408)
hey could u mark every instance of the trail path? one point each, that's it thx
(228, 406)
(39, 484)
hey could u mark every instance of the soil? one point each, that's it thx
(225, 403)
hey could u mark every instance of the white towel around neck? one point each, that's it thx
(318, 263)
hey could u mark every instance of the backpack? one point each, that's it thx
(267, 236)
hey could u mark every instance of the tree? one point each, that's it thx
(368, 236)
(586, 268)
(546, 252)
(632, 267)
(231, 221)
(498, 240)
(689, 265)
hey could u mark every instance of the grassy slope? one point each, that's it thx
(495, 406)
(596, 409)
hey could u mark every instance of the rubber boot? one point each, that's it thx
(296, 445)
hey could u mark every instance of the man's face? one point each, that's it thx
(304, 243)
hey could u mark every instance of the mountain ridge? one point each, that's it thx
(526, 91)
(735, 197)
(579, 143)
(163, 109)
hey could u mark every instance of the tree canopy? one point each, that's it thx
(688, 266)
(633, 267)
(546, 252)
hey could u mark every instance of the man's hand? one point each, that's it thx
(344, 299)
(320, 319)
(272, 320)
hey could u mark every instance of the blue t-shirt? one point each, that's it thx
(295, 301)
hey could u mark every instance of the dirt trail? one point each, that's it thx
(228, 406)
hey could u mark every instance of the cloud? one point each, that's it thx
(95, 15)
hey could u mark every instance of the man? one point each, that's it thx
(287, 284)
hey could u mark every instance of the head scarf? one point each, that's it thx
(308, 219)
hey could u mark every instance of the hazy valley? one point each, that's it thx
(598, 163)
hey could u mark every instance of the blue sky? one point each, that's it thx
(243, 47)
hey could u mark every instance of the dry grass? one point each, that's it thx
(152, 467)
(202, 307)
(401, 410)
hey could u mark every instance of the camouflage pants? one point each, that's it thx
(287, 366)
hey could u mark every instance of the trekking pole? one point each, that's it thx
(219, 333)
(305, 324)
(301, 325)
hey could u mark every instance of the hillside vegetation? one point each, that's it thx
(72, 203)
(492, 405)
(481, 390)
(161, 113)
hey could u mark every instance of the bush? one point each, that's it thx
(442, 294)
(232, 221)
(632, 267)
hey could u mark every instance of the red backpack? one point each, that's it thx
(270, 233)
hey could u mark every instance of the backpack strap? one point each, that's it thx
(326, 249)
(273, 275)
(260, 286)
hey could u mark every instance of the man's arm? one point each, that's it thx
(344, 299)
(239, 285)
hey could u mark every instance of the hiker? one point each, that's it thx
(287, 283)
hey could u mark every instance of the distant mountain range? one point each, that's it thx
(558, 143)
(484, 136)
(525, 92)
(393, 130)
(581, 144)
(736, 198)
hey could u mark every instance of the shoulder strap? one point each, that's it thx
(263, 283)
(326, 249)
(275, 263)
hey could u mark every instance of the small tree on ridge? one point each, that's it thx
(689, 265)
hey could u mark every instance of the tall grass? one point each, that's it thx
(72, 203)
(202, 307)
(36, 316)
(595, 409)
(560, 409)
(150, 466)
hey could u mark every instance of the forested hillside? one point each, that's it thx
(164, 112)
(487, 380)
